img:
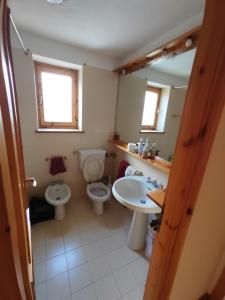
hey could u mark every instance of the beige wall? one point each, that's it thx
(99, 105)
(205, 242)
(130, 109)
(147, 170)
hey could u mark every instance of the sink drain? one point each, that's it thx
(143, 201)
(58, 198)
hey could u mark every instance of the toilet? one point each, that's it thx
(91, 162)
(58, 194)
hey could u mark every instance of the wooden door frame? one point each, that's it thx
(204, 104)
(12, 161)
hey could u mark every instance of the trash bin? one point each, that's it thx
(150, 237)
(40, 210)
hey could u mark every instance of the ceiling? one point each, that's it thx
(114, 28)
(179, 65)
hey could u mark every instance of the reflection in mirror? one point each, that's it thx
(151, 100)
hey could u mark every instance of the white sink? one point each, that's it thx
(131, 191)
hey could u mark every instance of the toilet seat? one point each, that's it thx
(97, 191)
(93, 168)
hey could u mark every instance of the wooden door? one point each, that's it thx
(204, 104)
(13, 192)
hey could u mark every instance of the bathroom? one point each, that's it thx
(74, 245)
(88, 249)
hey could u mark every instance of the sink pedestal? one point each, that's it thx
(137, 233)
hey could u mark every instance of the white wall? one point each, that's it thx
(52, 49)
(165, 38)
(99, 105)
(147, 170)
(160, 77)
(205, 241)
(130, 109)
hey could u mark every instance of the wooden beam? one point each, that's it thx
(204, 104)
(171, 48)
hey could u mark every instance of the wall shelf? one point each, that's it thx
(158, 162)
(158, 197)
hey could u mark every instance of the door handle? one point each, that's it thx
(31, 180)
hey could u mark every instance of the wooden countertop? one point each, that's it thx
(158, 162)
(158, 197)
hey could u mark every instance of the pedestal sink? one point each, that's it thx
(131, 191)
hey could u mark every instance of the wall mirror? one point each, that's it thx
(151, 101)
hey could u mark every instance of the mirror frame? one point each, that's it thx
(181, 44)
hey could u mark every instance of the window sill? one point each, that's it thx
(58, 130)
(151, 131)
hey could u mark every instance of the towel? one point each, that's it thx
(122, 168)
(57, 165)
(131, 171)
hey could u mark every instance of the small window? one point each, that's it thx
(151, 106)
(57, 96)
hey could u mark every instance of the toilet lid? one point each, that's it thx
(93, 168)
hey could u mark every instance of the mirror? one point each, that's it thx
(151, 101)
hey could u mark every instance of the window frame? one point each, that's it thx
(158, 92)
(54, 69)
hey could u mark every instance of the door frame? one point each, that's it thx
(204, 104)
(12, 180)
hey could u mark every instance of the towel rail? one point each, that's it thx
(49, 158)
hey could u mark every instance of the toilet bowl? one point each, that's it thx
(98, 193)
(58, 194)
(92, 165)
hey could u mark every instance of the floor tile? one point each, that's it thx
(88, 237)
(130, 255)
(121, 238)
(54, 247)
(76, 258)
(116, 259)
(125, 280)
(87, 293)
(72, 242)
(56, 266)
(106, 288)
(108, 245)
(93, 251)
(40, 273)
(139, 268)
(39, 254)
(99, 268)
(40, 292)
(132, 295)
(79, 278)
(38, 238)
(85, 256)
(57, 288)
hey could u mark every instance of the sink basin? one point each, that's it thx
(131, 191)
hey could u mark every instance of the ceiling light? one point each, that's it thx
(58, 2)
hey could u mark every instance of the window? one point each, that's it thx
(57, 96)
(151, 106)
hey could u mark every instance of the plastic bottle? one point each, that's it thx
(141, 146)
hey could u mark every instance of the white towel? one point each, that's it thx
(131, 171)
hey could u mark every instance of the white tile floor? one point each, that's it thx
(85, 257)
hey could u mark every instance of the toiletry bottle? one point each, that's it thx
(140, 149)
(146, 149)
